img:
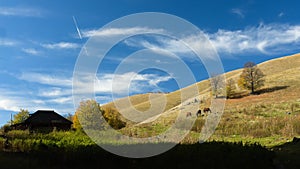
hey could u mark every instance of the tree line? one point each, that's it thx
(89, 115)
(251, 78)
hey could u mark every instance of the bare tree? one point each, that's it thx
(217, 82)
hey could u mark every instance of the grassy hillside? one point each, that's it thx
(263, 116)
(246, 121)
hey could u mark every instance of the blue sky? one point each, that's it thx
(39, 44)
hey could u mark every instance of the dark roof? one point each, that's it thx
(46, 116)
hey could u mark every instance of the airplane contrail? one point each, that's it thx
(79, 33)
(77, 28)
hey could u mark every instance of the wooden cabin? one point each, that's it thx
(44, 120)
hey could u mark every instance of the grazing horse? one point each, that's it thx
(198, 113)
(188, 114)
(206, 110)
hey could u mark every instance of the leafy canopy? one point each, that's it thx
(21, 116)
(251, 77)
(89, 115)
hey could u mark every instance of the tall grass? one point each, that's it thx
(263, 120)
(24, 141)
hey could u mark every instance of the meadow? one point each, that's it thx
(270, 117)
(76, 150)
(255, 131)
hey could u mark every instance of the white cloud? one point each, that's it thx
(8, 42)
(62, 100)
(61, 105)
(31, 51)
(20, 11)
(103, 99)
(119, 83)
(35, 101)
(7, 104)
(183, 47)
(61, 45)
(46, 79)
(264, 38)
(119, 31)
(164, 44)
(130, 81)
(238, 12)
(54, 92)
(16, 100)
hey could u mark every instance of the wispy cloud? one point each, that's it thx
(118, 83)
(8, 104)
(16, 100)
(163, 44)
(54, 92)
(281, 14)
(61, 45)
(21, 11)
(46, 79)
(119, 31)
(264, 38)
(238, 12)
(31, 51)
(61, 105)
(103, 99)
(8, 42)
(184, 47)
(62, 100)
(130, 81)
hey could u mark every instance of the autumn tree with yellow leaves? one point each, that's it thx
(89, 115)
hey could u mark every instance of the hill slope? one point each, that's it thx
(262, 115)
(282, 83)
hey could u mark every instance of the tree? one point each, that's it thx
(230, 88)
(76, 123)
(251, 77)
(217, 82)
(113, 117)
(21, 116)
(89, 115)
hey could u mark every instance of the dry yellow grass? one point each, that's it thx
(260, 117)
(282, 88)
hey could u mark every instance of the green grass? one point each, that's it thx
(207, 155)
(257, 122)
(76, 150)
(23, 141)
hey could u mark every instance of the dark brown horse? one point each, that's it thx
(206, 110)
(198, 113)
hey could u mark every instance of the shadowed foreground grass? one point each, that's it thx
(207, 155)
(76, 150)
